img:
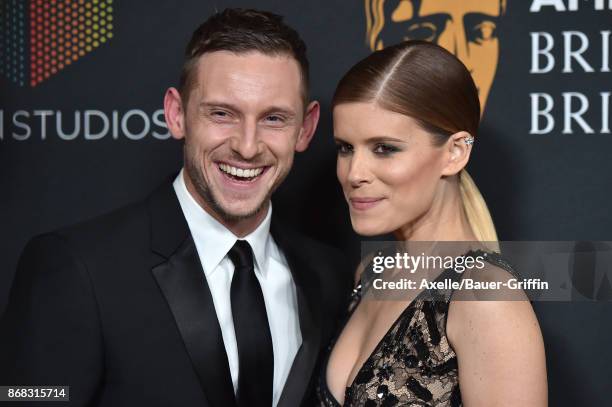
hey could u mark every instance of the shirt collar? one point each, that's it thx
(216, 239)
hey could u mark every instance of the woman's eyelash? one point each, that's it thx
(343, 148)
(379, 149)
(385, 149)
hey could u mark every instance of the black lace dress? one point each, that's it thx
(413, 364)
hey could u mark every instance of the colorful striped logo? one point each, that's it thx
(59, 33)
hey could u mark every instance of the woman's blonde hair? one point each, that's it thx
(426, 82)
(477, 212)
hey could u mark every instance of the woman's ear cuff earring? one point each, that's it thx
(469, 140)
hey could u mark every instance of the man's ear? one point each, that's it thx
(174, 113)
(458, 149)
(311, 119)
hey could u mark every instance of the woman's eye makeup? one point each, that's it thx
(343, 148)
(385, 149)
(379, 149)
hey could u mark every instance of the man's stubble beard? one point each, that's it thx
(195, 171)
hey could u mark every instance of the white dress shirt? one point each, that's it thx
(213, 241)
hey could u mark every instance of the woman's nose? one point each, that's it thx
(359, 170)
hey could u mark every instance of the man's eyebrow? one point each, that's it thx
(212, 104)
(224, 105)
(282, 110)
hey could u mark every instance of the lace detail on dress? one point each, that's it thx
(413, 365)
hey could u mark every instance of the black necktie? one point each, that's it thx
(255, 354)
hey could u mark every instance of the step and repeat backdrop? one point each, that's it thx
(82, 129)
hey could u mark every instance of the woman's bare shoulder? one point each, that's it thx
(499, 346)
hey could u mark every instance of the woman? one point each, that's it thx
(405, 120)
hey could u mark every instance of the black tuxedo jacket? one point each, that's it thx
(118, 309)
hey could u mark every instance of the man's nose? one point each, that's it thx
(454, 40)
(359, 170)
(246, 141)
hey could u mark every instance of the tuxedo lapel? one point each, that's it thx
(178, 271)
(307, 283)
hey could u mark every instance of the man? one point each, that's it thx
(466, 28)
(196, 296)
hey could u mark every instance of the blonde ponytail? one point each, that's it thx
(477, 212)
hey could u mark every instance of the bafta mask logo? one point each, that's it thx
(467, 28)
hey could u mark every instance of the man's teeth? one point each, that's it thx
(239, 172)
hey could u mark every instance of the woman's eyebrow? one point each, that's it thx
(375, 139)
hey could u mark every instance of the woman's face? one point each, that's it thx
(387, 165)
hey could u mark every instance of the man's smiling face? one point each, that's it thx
(243, 121)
